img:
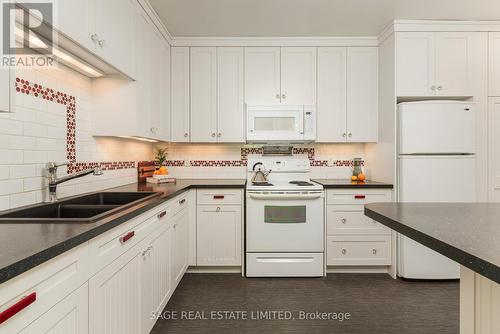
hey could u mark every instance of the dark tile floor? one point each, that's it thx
(376, 304)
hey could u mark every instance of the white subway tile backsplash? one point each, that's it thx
(4, 142)
(11, 127)
(4, 202)
(4, 172)
(11, 186)
(8, 157)
(55, 132)
(35, 129)
(48, 144)
(35, 183)
(34, 157)
(22, 171)
(25, 198)
(22, 143)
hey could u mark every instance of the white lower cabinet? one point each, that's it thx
(114, 296)
(156, 275)
(180, 226)
(218, 227)
(219, 235)
(352, 238)
(69, 316)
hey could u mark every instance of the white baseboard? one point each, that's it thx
(358, 270)
(214, 270)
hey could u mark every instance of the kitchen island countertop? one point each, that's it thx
(468, 233)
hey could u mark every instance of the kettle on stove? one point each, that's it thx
(259, 173)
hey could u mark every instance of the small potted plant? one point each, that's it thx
(161, 157)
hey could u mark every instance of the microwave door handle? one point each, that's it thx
(303, 122)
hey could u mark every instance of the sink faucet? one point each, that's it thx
(54, 180)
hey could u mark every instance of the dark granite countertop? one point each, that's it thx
(348, 184)
(468, 233)
(26, 245)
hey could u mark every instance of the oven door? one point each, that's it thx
(291, 221)
(269, 124)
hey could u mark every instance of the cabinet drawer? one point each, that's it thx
(284, 264)
(178, 203)
(359, 250)
(362, 196)
(110, 245)
(218, 196)
(350, 219)
(43, 286)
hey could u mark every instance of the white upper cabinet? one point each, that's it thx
(276, 75)
(262, 75)
(203, 94)
(73, 19)
(230, 115)
(347, 94)
(180, 94)
(331, 107)
(494, 64)
(114, 32)
(298, 75)
(436, 63)
(415, 63)
(362, 94)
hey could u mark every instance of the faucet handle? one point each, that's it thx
(98, 171)
(56, 165)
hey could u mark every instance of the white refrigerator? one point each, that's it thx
(436, 163)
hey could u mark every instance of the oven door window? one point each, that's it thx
(285, 214)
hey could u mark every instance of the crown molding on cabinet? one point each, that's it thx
(437, 25)
(156, 20)
(275, 41)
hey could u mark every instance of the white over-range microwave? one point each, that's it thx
(281, 123)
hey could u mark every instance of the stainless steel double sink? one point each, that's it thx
(86, 208)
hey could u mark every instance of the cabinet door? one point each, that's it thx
(219, 235)
(203, 94)
(362, 94)
(494, 149)
(453, 70)
(180, 94)
(494, 64)
(262, 75)
(415, 63)
(73, 20)
(331, 107)
(180, 246)
(156, 275)
(159, 92)
(298, 75)
(69, 316)
(230, 116)
(143, 82)
(114, 25)
(114, 296)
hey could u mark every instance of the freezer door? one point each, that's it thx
(436, 127)
(437, 178)
(432, 179)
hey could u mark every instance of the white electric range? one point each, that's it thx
(284, 221)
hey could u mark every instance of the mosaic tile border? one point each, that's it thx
(26, 87)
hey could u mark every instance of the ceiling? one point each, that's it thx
(285, 18)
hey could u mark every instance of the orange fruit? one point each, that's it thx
(361, 177)
(354, 178)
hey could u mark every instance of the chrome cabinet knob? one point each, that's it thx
(277, 96)
(283, 96)
(344, 251)
(349, 135)
(374, 251)
(439, 87)
(213, 134)
(433, 87)
(185, 135)
(101, 42)
(343, 220)
(219, 135)
(94, 37)
(218, 209)
(344, 134)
